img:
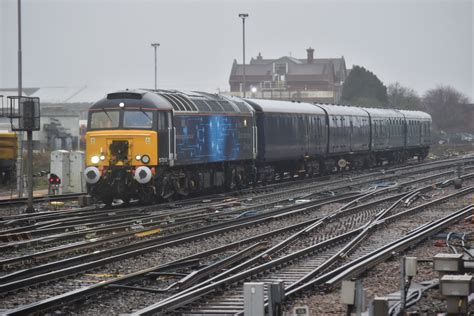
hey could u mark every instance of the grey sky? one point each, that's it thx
(107, 43)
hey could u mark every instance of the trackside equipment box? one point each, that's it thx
(77, 184)
(69, 167)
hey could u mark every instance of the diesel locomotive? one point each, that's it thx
(155, 144)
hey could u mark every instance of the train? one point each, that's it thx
(8, 156)
(159, 144)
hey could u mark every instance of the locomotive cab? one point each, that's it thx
(127, 137)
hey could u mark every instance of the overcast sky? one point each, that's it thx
(419, 43)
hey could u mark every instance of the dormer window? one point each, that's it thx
(280, 68)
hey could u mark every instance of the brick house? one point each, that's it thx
(288, 78)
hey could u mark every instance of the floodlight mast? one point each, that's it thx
(243, 16)
(155, 46)
(22, 127)
(19, 162)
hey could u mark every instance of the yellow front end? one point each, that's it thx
(121, 164)
(140, 143)
(8, 146)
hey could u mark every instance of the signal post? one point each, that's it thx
(24, 114)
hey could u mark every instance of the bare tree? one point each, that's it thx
(401, 97)
(443, 103)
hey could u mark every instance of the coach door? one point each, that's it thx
(166, 139)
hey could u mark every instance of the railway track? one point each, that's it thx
(38, 199)
(310, 266)
(146, 229)
(62, 270)
(348, 210)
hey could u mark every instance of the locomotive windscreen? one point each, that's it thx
(104, 119)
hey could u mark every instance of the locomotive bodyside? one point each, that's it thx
(215, 130)
(8, 155)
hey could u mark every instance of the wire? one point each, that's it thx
(448, 237)
(464, 248)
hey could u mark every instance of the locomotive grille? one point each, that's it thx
(119, 149)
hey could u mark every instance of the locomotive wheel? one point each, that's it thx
(165, 187)
(232, 180)
(107, 200)
(147, 195)
(181, 186)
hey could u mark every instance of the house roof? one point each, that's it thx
(319, 68)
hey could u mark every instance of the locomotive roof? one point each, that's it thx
(177, 101)
(132, 99)
(277, 106)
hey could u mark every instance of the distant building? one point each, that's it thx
(288, 78)
(63, 111)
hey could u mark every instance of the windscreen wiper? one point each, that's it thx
(106, 113)
(141, 110)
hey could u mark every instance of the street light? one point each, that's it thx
(155, 46)
(243, 16)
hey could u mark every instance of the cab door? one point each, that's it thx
(166, 138)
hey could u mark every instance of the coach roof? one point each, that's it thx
(332, 109)
(276, 106)
(416, 115)
(384, 113)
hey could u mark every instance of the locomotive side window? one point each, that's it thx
(104, 119)
(138, 119)
(162, 120)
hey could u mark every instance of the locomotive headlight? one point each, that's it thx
(138, 157)
(102, 157)
(145, 159)
(95, 159)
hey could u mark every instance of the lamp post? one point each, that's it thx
(155, 46)
(243, 16)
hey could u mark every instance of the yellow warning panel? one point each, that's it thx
(104, 275)
(56, 203)
(148, 232)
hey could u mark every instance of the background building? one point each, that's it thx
(63, 114)
(288, 78)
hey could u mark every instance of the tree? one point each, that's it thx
(400, 97)
(362, 87)
(440, 102)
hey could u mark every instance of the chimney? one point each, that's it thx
(310, 52)
(259, 57)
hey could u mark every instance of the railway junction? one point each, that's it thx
(307, 188)
(322, 245)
